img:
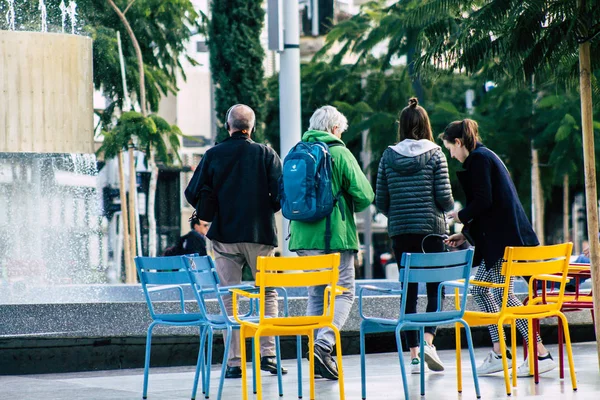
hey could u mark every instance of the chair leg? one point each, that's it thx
(243, 362)
(513, 349)
(569, 349)
(504, 360)
(255, 371)
(147, 360)
(208, 362)
(532, 350)
(536, 369)
(458, 359)
(204, 343)
(338, 347)
(363, 356)
(199, 365)
(224, 365)
(401, 358)
(561, 355)
(278, 358)
(471, 356)
(256, 360)
(311, 364)
(422, 358)
(299, 361)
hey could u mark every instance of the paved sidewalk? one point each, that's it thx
(383, 380)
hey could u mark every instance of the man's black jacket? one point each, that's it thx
(248, 196)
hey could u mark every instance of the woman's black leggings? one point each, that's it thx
(411, 243)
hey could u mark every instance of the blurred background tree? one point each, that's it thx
(236, 58)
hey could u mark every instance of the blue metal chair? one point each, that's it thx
(159, 274)
(202, 273)
(434, 267)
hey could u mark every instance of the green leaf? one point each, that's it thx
(563, 132)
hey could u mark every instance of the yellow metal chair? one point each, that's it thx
(291, 272)
(545, 263)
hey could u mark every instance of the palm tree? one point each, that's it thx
(160, 141)
(379, 23)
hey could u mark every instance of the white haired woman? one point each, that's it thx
(308, 238)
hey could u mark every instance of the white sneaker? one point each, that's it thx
(432, 359)
(545, 363)
(491, 364)
(415, 366)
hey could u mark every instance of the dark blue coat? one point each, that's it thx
(494, 215)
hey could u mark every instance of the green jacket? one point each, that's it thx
(357, 195)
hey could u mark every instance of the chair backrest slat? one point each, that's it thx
(529, 261)
(297, 271)
(436, 267)
(434, 274)
(295, 279)
(307, 263)
(531, 268)
(166, 278)
(202, 271)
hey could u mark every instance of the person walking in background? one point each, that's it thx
(308, 238)
(243, 227)
(194, 242)
(413, 191)
(493, 219)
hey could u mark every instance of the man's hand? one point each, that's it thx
(455, 240)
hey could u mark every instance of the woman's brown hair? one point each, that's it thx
(414, 122)
(466, 130)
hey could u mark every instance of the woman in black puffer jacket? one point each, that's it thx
(413, 191)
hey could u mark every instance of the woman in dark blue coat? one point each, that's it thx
(495, 219)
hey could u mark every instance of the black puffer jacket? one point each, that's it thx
(413, 188)
(249, 195)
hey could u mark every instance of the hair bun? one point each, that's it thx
(413, 102)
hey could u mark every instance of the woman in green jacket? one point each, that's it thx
(308, 238)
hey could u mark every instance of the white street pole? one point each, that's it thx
(289, 90)
(315, 18)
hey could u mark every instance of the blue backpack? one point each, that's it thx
(306, 185)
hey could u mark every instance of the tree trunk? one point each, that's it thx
(138, 54)
(154, 174)
(125, 221)
(132, 209)
(589, 161)
(151, 199)
(566, 235)
(537, 196)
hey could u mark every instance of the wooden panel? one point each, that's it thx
(46, 93)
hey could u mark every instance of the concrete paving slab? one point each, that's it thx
(383, 382)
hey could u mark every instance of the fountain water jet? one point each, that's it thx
(49, 211)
